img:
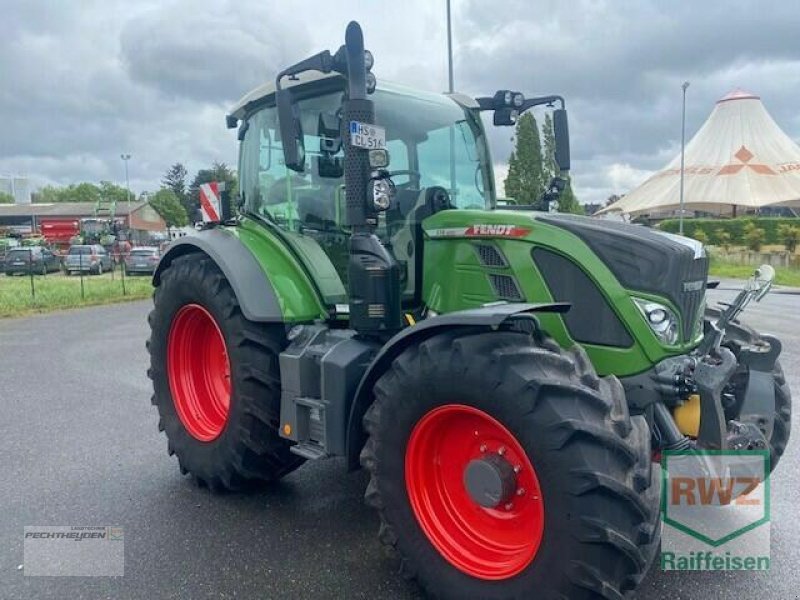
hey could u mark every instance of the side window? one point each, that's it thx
(434, 164)
(398, 160)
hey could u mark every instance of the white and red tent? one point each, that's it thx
(739, 157)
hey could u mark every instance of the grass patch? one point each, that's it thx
(56, 291)
(783, 275)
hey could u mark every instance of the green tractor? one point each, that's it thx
(507, 377)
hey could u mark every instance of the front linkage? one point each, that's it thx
(722, 396)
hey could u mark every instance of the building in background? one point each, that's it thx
(59, 222)
(16, 186)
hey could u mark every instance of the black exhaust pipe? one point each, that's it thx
(373, 273)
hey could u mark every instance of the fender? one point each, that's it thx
(486, 318)
(252, 287)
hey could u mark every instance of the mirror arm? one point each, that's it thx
(322, 62)
(531, 102)
(488, 102)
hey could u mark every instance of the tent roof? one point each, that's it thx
(738, 157)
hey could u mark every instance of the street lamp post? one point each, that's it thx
(683, 149)
(126, 158)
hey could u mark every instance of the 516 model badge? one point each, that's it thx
(482, 230)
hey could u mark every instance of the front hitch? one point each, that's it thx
(711, 375)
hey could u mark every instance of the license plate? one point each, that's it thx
(18, 263)
(364, 135)
(141, 264)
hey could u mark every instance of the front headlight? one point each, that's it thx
(661, 320)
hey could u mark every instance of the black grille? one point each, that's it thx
(590, 319)
(505, 287)
(691, 293)
(490, 256)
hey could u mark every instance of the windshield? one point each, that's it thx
(432, 141)
(144, 252)
(420, 128)
(76, 250)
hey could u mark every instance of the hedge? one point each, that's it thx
(735, 227)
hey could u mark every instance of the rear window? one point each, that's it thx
(146, 252)
(23, 253)
(76, 250)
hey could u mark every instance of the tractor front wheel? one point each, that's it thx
(216, 379)
(503, 467)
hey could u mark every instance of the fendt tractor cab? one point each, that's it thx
(506, 376)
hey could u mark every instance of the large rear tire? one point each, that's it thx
(503, 467)
(216, 380)
(739, 333)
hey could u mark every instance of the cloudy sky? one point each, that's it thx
(83, 81)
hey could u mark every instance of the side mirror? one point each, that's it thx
(294, 151)
(561, 134)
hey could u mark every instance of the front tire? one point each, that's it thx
(577, 503)
(216, 380)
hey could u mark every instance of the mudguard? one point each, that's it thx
(253, 289)
(487, 317)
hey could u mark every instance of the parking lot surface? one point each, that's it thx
(80, 446)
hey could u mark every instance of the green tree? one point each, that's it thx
(568, 203)
(81, 192)
(754, 236)
(526, 179)
(218, 172)
(549, 166)
(6, 198)
(175, 179)
(113, 192)
(166, 204)
(789, 235)
(723, 239)
(700, 236)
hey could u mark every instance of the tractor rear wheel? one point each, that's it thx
(739, 333)
(216, 379)
(503, 467)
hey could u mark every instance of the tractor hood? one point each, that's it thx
(642, 259)
(646, 260)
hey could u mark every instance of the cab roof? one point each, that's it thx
(265, 90)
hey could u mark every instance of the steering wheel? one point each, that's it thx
(410, 172)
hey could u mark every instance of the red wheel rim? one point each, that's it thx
(486, 543)
(199, 372)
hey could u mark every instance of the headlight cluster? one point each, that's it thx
(661, 320)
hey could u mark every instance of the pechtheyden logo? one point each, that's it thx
(87, 551)
(715, 509)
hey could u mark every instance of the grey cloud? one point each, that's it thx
(85, 81)
(212, 54)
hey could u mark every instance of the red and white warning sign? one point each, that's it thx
(209, 201)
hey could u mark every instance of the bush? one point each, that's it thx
(723, 238)
(754, 236)
(789, 235)
(700, 236)
(734, 227)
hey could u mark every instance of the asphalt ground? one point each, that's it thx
(80, 446)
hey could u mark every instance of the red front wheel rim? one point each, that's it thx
(491, 543)
(199, 372)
